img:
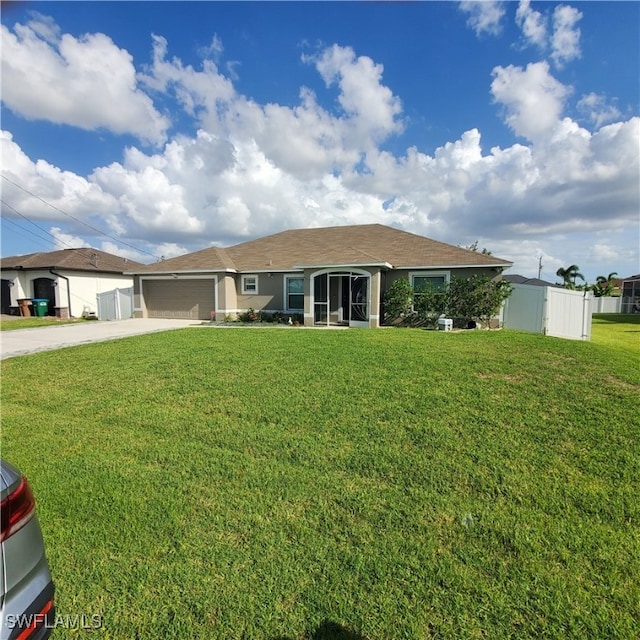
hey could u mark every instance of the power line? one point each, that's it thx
(56, 240)
(6, 204)
(25, 233)
(64, 213)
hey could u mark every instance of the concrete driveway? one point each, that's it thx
(24, 341)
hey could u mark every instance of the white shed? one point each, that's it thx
(552, 311)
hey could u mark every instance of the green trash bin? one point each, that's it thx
(40, 307)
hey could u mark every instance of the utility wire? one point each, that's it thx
(6, 204)
(64, 213)
(56, 240)
(25, 233)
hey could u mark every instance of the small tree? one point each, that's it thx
(477, 298)
(430, 303)
(489, 297)
(398, 301)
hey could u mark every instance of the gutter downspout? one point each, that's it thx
(59, 275)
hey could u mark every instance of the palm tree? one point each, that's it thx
(604, 286)
(569, 276)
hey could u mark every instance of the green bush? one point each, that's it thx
(478, 298)
(398, 301)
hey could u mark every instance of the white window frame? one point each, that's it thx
(287, 277)
(429, 274)
(249, 292)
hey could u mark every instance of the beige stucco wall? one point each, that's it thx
(271, 292)
(391, 276)
(269, 296)
(226, 299)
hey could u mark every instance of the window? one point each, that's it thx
(423, 280)
(250, 285)
(294, 293)
(421, 283)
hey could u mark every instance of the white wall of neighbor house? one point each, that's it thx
(84, 289)
(81, 289)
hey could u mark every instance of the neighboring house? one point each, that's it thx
(631, 294)
(332, 275)
(70, 279)
(535, 282)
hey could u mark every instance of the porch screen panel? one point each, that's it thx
(321, 299)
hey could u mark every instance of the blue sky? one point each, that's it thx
(153, 129)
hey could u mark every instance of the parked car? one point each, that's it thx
(26, 588)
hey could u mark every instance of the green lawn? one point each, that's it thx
(379, 484)
(30, 323)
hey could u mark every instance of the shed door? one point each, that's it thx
(188, 299)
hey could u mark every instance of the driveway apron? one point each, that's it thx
(24, 341)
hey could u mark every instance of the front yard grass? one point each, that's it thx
(379, 484)
(15, 322)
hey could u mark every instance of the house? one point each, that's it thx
(331, 275)
(631, 294)
(534, 282)
(70, 279)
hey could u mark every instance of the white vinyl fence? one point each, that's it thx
(549, 310)
(606, 304)
(116, 304)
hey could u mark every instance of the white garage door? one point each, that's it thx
(189, 299)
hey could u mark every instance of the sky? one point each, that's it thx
(153, 129)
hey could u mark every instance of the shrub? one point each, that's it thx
(398, 301)
(429, 304)
(478, 298)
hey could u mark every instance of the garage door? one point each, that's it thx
(189, 299)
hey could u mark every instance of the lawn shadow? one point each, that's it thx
(618, 318)
(329, 631)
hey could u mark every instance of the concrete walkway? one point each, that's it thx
(24, 341)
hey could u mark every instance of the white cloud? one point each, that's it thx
(485, 16)
(533, 98)
(196, 90)
(305, 140)
(63, 189)
(562, 42)
(86, 82)
(532, 23)
(370, 106)
(565, 41)
(65, 240)
(148, 199)
(597, 109)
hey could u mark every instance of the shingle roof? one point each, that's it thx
(369, 244)
(82, 259)
(211, 259)
(536, 282)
